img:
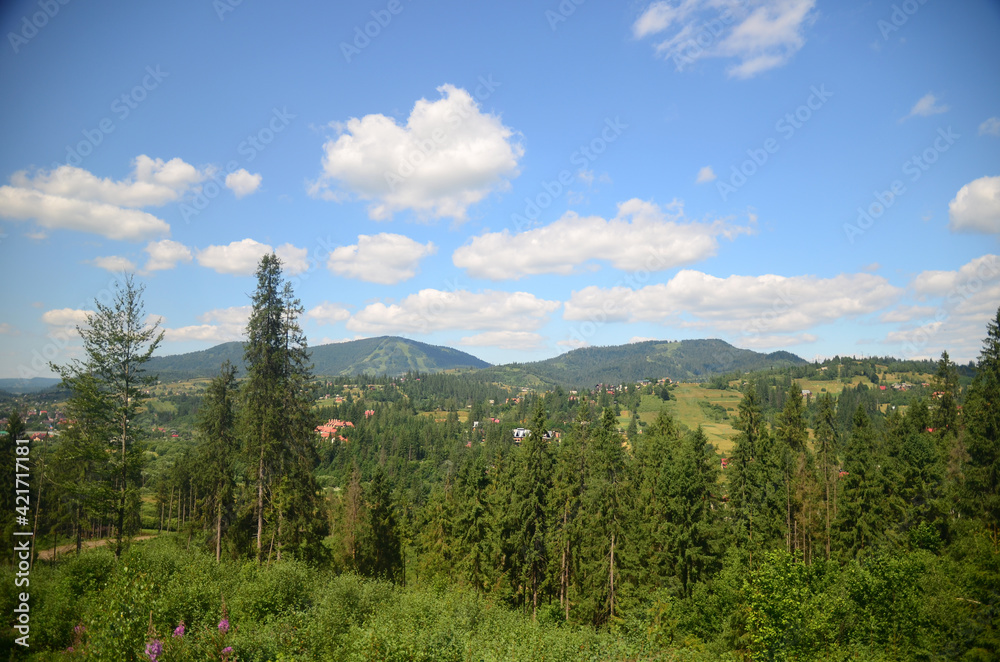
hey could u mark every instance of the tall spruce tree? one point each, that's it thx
(532, 485)
(981, 493)
(217, 450)
(862, 512)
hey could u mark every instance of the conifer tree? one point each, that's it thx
(862, 511)
(533, 482)
(109, 387)
(217, 447)
(981, 494)
(692, 510)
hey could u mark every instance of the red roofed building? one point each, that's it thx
(330, 428)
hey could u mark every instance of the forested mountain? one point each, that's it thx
(685, 360)
(386, 355)
(18, 385)
(680, 360)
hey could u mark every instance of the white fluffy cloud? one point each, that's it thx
(166, 254)
(705, 175)
(448, 156)
(66, 317)
(642, 236)
(990, 127)
(520, 340)
(242, 183)
(113, 263)
(760, 34)
(976, 206)
(382, 258)
(328, 313)
(54, 212)
(958, 305)
(926, 106)
(752, 306)
(436, 310)
(241, 258)
(218, 325)
(72, 198)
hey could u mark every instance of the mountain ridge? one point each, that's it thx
(688, 360)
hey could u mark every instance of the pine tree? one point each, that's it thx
(862, 512)
(826, 452)
(532, 485)
(605, 499)
(692, 511)
(564, 503)
(216, 450)
(381, 547)
(109, 387)
(981, 493)
(653, 552)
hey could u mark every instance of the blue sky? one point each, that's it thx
(511, 179)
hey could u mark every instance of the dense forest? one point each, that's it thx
(452, 517)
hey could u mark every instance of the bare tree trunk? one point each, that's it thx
(218, 534)
(260, 505)
(170, 508)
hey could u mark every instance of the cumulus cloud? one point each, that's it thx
(72, 198)
(448, 156)
(66, 317)
(113, 263)
(926, 106)
(165, 254)
(436, 310)
(217, 325)
(383, 258)
(760, 34)
(328, 313)
(240, 258)
(242, 183)
(573, 343)
(642, 236)
(959, 303)
(522, 340)
(8, 330)
(751, 306)
(976, 207)
(990, 127)
(944, 283)
(705, 175)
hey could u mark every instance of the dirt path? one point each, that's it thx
(46, 554)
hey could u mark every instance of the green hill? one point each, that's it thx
(385, 355)
(686, 360)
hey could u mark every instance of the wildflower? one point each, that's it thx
(179, 630)
(224, 625)
(154, 649)
(79, 629)
(227, 650)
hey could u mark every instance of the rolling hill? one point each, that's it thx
(386, 355)
(686, 360)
